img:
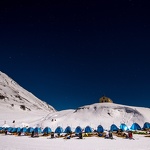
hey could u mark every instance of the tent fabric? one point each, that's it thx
(30, 129)
(47, 130)
(14, 130)
(100, 129)
(18, 129)
(113, 127)
(6, 128)
(78, 129)
(37, 130)
(1, 128)
(88, 129)
(23, 129)
(59, 130)
(68, 130)
(124, 127)
(146, 125)
(9, 129)
(135, 126)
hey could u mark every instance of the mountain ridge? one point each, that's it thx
(15, 95)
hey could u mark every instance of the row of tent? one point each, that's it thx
(24, 129)
(47, 130)
(135, 126)
(77, 130)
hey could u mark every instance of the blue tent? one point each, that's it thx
(9, 129)
(124, 127)
(14, 130)
(47, 130)
(30, 129)
(23, 129)
(37, 130)
(100, 129)
(6, 128)
(135, 126)
(1, 128)
(88, 129)
(113, 127)
(68, 130)
(59, 130)
(18, 129)
(146, 125)
(78, 129)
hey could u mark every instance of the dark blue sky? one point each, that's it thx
(70, 53)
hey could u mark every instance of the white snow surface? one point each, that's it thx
(11, 142)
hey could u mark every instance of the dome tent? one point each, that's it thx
(14, 130)
(124, 127)
(78, 129)
(47, 130)
(59, 129)
(37, 130)
(113, 127)
(9, 129)
(23, 129)
(135, 126)
(30, 129)
(88, 129)
(100, 129)
(1, 128)
(146, 125)
(5, 128)
(68, 130)
(18, 129)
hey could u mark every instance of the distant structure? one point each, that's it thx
(105, 99)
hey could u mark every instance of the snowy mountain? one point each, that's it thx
(15, 100)
(16, 97)
(18, 104)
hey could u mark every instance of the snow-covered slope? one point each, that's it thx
(18, 103)
(15, 97)
(104, 114)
